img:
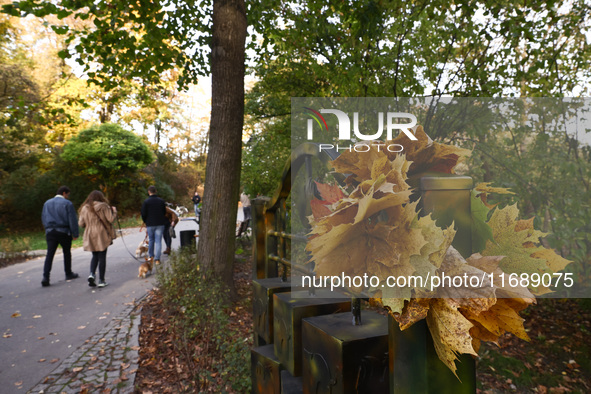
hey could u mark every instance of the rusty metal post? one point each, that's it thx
(265, 371)
(414, 364)
(259, 228)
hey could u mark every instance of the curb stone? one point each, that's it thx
(108, 361)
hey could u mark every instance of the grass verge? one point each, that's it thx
(15, 246)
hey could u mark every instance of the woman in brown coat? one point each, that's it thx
(96, 216)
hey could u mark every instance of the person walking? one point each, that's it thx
(171, 220)
(97, 217)
(245, 200)
(196, 200)
(61, 227)
(154, 217)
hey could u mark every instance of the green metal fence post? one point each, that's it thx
(414, 364)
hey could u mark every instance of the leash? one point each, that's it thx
(124, 244)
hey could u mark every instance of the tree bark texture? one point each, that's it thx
(222, 182)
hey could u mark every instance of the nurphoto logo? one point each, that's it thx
(345, 124)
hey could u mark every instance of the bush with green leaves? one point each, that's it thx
(197, 306)
(107, 154)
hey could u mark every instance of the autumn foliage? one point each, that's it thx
(372, 224)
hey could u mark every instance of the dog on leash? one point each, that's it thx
(142, 248)
(145, 268)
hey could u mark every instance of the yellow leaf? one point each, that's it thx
(503, 315)
(433, 251)
(416, 309)
(485, 187)
(553, 260)
(395, 305)
(501, 318)
(359, 165)
(516, 241)
(450, 331)
(427, 155)
(356, 239)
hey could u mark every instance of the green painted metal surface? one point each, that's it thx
(289, 310)
(262, 304)
(339, 357)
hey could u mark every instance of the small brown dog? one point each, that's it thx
(145, 268)
(142, 248)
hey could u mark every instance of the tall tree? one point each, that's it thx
(216, 241)
(142, 40)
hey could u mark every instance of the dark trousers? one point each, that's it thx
(55, 238)
(99, 259)
(247, 214)
(166, 236)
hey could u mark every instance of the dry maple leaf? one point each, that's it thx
(370, 165)
(368, 244)
(450, 331)
(376, 230)
(359, 166)
(518, 241)
(350, 213)
(462, 316)
(503, 315)
(425, 264)
(486, 188)
(482, 190)
(427, 155)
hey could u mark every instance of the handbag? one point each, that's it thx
(171, 232)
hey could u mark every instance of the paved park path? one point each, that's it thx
(69, 337)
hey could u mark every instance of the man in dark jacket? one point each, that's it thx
(154, 216)
(196, 200)
(61, 227)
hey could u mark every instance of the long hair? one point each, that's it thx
(94, 196)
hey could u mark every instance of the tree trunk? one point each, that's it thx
(222, 177)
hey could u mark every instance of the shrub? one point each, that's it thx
(197, 306)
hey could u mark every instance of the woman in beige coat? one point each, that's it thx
(97, 217)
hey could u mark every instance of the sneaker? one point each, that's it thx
(45, 282)
(157, 262)
(91, 281)
(102, 283)
(72, 275)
